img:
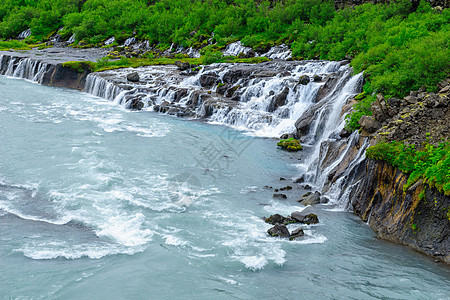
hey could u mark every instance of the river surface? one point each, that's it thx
(97, 202)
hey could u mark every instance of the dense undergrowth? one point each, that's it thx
(432, 163)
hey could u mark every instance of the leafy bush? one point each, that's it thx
(290, 144)
(212, 57)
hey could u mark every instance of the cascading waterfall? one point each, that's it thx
(255, 106)
(26, 68)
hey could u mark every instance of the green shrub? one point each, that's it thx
(212, 57)
(290, 144)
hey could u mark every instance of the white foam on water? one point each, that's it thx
(254, 262)
(53, 250)
(174, 241)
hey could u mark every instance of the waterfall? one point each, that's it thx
(26, 68)
(235, 49)
(100, 87)
(24, 34)
(72, 39)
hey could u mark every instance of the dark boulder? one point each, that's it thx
(133, 77)
(304, 79)
(286, 188)
(182, 66)
(279, 231)
(278, 100)
(317, 78)
(275, 219)
(208, 80)
(279, 196)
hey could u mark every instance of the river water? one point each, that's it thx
(98, 202)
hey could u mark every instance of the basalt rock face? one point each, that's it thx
(416, 218)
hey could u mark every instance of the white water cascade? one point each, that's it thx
(26, 68)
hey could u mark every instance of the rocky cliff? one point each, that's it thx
(418, 217)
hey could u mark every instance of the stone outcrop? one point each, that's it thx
(417, 217)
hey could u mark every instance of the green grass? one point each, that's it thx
(15, 45)
(432, 163)
(110, 64)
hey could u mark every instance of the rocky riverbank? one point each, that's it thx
(418, 216)
(309, 97)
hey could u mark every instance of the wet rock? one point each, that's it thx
(279, 219)
(324, 200)
(279, 231)
(268, 187)
(303, 123)
(278, 100)
(344, 133)
(275, 219)
(301, 179)
(182, 66)
(208, 80)
(305, 218)
(310, 198)
(307, 187)
(279, 196)
(286, 188)
(282, 178)
(134, 104)
(133, 77)
(296, 233)
(317, 78)
(304, 79)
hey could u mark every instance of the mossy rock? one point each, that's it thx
(360, 96)
(290, 144)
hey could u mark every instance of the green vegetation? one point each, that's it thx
(290, 144)
(110, 64)
(14, 44)
(400, 46)
(432, 163)
(362, 108)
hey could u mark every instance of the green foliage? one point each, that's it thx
(13, 44)
(430, 163)
(362, 108)
(290, 144)
(212, 57)
(399, 49)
